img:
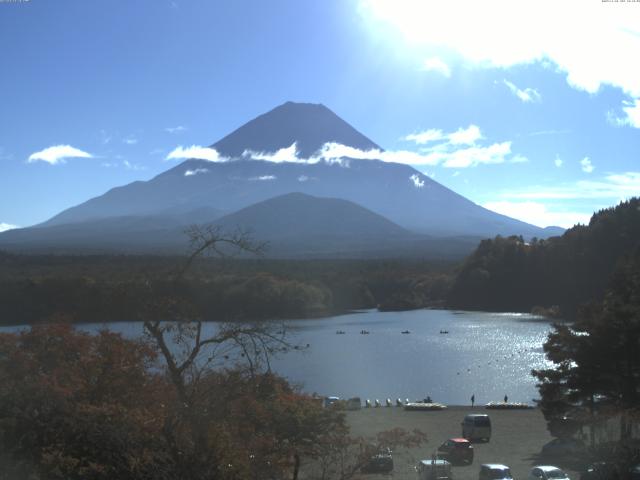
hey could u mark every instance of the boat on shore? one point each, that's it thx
(422, 406)
(507, 406)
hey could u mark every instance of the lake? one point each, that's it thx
(486, 354)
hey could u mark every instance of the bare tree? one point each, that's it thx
(191, 348)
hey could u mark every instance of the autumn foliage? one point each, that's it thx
(80, 406)
(73, 405)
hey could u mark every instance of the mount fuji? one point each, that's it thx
(390, 205)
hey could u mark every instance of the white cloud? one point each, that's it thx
(632, 109)
(427, 136)
(445, 155)
(527, 95)
(197, 171)
(57, 154)
(195, 151)
(539, 214)
(465, 136)
(586, 165)
(473, 156)
(7, 226)
(130, 140)
(263, 178)
(558, 161)
(417, 181)
(462, 136)
(287, 154)
(303, 178)
(435, 64)
(613, 187)
(593, 42)
(453, 150)
(632, 115)
(178, 129)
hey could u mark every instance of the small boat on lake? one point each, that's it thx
(405, 332)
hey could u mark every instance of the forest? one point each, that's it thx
(556, 275)
(40, 288)
(553, 277)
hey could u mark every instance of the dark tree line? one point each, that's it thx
(596, 374)
(103, 289)
(567, 271)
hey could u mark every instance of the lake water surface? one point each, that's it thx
(486, 354)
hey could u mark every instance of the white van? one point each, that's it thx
(434, 470)
(476, 426)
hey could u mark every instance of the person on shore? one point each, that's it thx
(506, 399)
(473, 399)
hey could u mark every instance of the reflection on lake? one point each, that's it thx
(486, 354)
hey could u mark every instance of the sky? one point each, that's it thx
(529, 108)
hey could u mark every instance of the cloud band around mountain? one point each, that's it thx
(458, 149)
(7, 226)
(195, 151)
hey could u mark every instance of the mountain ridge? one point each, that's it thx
(398, 192)
(309, 125)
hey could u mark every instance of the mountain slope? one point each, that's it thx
(296, 215)
(309, 125)
(144, 233)
(293, 225)
(398, 192)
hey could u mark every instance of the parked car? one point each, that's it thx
(434, 470)
(382, 462)
(494, 471)
(634, 472)
(547, 472)
(601, 471)
(476, 427)
(564, 447)
(329, 401)
(456, 451)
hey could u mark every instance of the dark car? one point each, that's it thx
(382, 462)
(456, 451)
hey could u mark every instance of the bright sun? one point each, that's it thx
(577, 36)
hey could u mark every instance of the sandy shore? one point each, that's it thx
(517, 437)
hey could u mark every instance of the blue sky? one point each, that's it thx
(530, 108)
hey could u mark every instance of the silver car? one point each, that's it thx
(494, 471)
(547, 472)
